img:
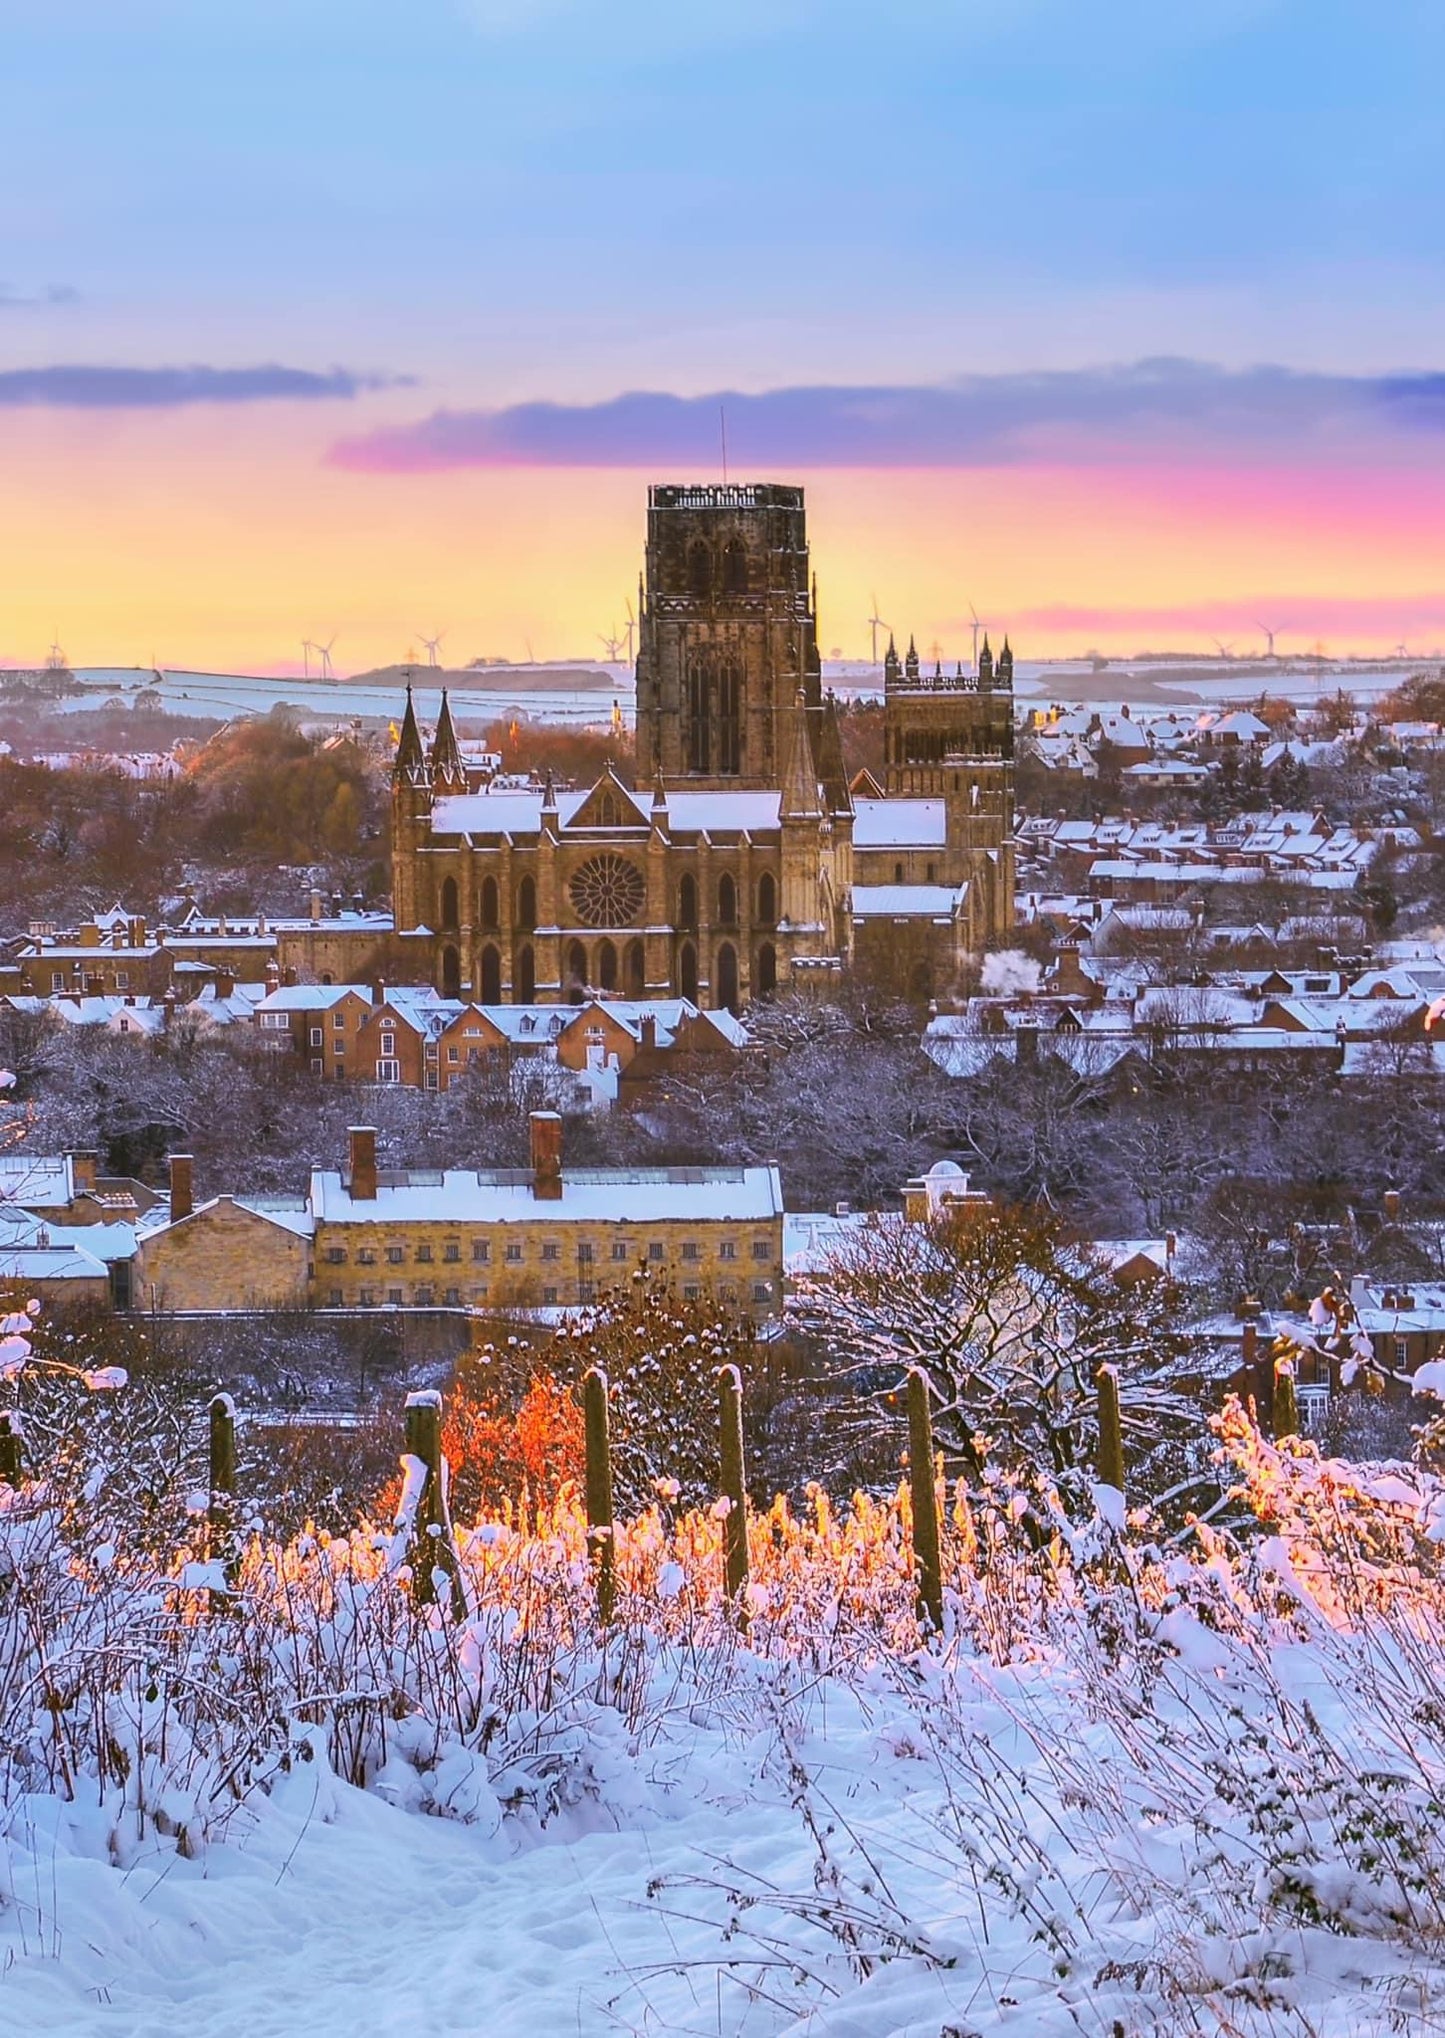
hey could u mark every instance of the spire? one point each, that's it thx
(447, 768)
(410, 766)
(985, 664)
(549, 797)
(802, 795)
(910, 663)
(1006, 665)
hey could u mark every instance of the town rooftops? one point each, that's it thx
(588, 1195)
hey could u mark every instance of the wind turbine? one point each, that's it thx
(307, 647)
(1270, 634)
(323, 652)
(875, 624)
(433, 646)
(1224, 650)
(975, 626)
(612, 646)
(55, 657)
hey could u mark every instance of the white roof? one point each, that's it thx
(520, 813)
(589, 1195)
(899, 824)
(310, 997)
(50, 1263)
(901, 902)
(36, 1181)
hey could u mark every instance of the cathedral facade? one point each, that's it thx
(741, 861)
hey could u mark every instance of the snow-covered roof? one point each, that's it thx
(41, 1263)
(899, 824)
(811, 1237)
(901, 902)
(589, 1195)
(310, 997)
(520, 813)
(36, 1181)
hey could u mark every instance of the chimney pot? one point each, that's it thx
(649, 1029)
(182, 1193)
(546, 1129)
(363, 1163)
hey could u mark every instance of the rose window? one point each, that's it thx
(607, 891)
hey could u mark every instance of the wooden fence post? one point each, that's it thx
(221, 1508)
(599, 1493)
(923, 1492)
(432, 1547)
(1111, 1429)
(1286, 1402)
(10, 1449)
(735, 1491)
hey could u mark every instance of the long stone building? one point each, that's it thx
(742, 861)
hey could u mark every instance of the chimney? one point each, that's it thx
(182, 1196)
(288, 978)
(82, 1170)
(547, 1156)
(1249, 1343)
(315, 906)
(378, 992)
(225, 983)
(363, 1163)
(1392, 1206)
(649, 1029)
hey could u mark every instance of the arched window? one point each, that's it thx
(491, 975)
(727, 900)
(576, 973)
(449, 903)
(699, 569)
(527, 903)
(687, 904)
(767, 900)
(765, 977)
(898, 873)
(524, 976)
(607, 966)
(634, 973)
(451, 972)
(729, 729)
(489, 902)
(687, 972)
(726, 993)
(735, 567)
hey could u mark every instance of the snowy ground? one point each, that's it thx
(863, 1841)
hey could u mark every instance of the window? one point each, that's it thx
(336, 1255)
(336, 1298)
(479, 1293)
(366, 1256)
(395, 1254)
(691, 1249)
(393, 1296)
(424, 1297)
(433, 1081)
(761, 1291)
(57, 980)
(388, 1043)
(431, 1050)
(619, 1249)
(1402, 1351)
(691, 1291)
(338, 1020)
(549, 1297)
(584, 1255)
(454, 1054)
(586, 1291)
(657, 1250)
(761, 1249)
(318, 1038)
(318, 1066)
(898, 873)
(367, 1298)
(932, 872)
(423, 1251)
(551, 1250)
(451, 1250)
(388, 1071)
(454, 1298)
(728, 1249)
(122, 979)
(514, 1250)
(481, 1249)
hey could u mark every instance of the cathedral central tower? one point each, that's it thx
(728, 634)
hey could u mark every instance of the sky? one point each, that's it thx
(366, 321)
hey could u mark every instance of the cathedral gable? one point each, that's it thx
(608, 805)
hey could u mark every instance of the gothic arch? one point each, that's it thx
(576, 979)
(687, 904)
(699, 569)
(725, 993)
(687, 972)
(449, 904)
(727, 900)
(527, 903)
(489, 902)
(451, 972)
(606, 966)
(634, 970)
(524, 976)
(765, 976)
(735, 567)
(491, 975)
(767, 900)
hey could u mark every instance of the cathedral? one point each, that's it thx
(741, 861)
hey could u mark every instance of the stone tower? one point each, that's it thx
(728, 637)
